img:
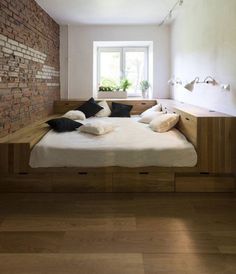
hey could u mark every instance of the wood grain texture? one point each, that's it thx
(143, 182)
(4, 158)
(216, 144)
(212, 133)
(117, 233)
(188, 123)
(72, 263)
(204, 184)
(139, 106)
(29, 134)
(82, 182)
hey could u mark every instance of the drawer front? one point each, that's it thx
(204, 184)
(26, 183)
(82, 182)
(143, 182)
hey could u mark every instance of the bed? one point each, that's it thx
(204, 161)
(131, 144)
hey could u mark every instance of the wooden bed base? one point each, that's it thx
(211, 133)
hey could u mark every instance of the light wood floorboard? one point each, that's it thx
(118, 233)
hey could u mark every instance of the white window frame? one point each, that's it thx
(123, 50)
(107, 49)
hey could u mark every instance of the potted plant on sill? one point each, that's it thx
(114, 92)
(145, 85)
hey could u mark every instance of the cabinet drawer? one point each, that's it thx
(25, 183)
(204, 184)
(82, 182)
(143, 182)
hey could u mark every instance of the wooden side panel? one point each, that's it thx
(233, 138)
(204, 184)
(4, 158)
(138, 105)
(215, 144)
(20, 157)
(187, 123)
(143, 182)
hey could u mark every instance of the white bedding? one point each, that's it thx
(131, 144)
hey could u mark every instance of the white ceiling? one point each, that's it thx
(66, 12)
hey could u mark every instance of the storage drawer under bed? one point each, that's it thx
(143, 182)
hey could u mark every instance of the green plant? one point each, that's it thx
(125, 84)
(144, 85)
(105, 88)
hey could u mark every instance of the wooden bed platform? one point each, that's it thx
(213, 134)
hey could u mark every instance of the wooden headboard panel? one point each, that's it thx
(60, 107)
(187, 123)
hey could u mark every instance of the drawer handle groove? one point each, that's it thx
(83, 173)
(143, 173)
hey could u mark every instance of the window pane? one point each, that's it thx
(110, 68)
(135, 69)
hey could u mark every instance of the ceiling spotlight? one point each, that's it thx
(179, 3)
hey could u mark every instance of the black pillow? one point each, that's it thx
(120, 110)
(63, 124)
(90, 108)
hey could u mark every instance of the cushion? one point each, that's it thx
(154, 108)
(97, 128)
(164, 122)
(90, 108)
(120, 110)
(63, 124)
(75, 115)
(105, 112)
(148, 117)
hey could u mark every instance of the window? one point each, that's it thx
(117, 63)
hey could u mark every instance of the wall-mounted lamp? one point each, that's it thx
(175, 81)
(225, 87)
(190, 86)
(208, 80)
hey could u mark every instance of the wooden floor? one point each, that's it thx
(117, 233)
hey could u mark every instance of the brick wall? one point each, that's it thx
(29, 64)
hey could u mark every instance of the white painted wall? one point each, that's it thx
(80, 55)
(203, 42)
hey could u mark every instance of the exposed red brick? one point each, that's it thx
(24, 97)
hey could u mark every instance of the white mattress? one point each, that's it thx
(131, 144)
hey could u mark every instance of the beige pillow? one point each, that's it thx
(154, 108)
(105, 112)
(149, 116)
(164, 122)
(75, 115)
(97, 128)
